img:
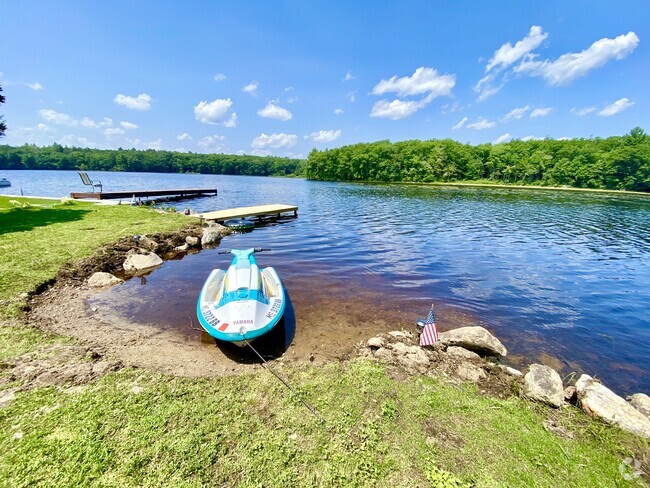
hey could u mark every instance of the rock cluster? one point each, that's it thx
(458, 357)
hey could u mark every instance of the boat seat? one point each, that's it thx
(88, 182)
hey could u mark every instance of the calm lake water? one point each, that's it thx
(561, 275)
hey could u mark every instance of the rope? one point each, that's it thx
(286, 383)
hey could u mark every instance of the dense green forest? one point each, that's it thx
(617, 163)
(72, 158)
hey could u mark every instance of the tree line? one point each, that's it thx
(57, 157)
(616, 163)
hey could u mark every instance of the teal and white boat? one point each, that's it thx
(242, 302)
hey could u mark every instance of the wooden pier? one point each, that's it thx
(241, 212)
(107, 195)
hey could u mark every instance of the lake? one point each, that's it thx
(559, 277)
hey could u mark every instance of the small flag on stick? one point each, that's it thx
(429, 334)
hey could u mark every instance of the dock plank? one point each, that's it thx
(255, 211)
(143, 193)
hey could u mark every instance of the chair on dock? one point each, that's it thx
(88, 182)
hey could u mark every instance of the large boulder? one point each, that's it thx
(102, 280)
(544, 384)
(461, 352)
(475, 339)
(641, 402)
(139, 262)
(599, 401)
(210, 237)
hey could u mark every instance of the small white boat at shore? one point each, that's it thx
(4, 182)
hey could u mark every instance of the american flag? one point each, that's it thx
(429, 334)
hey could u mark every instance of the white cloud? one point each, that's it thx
(184, 137)
(57, 117)
(35, 86)
(128, 125)
(583, 111)
(88, 123)
(275, 141)
(460, 123)
(396, 109)
(505, 137)
(516, 113)
(216, 112)
(219, 77)
(251, 88)
(508, 54)
(352, 96)
(424, 81)
(288, 89)
(76, 141)
(481, 124)
(348, 77)
(570, 66)
(141, 102)
(532, 138)
(541, 112)
(113, 131)
(338, 111)
(43, 127)
(324, 135)
(274, 111)
(617, 107)
(212, 143)
(140, 144)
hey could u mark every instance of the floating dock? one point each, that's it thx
(241, 212)
(107, 195)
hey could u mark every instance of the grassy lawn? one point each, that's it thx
(139, 428)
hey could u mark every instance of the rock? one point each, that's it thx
(469, 372)
(182, 248)
(139, 262)
(544, 384)
(375, 342)
(100, 368)
(461, 352)
(210, 237)
(148, 244)
(136, 390)
(599, 401)
(400, 334)
(641, 402)
(383, 354)
(7, 396)
(570, 394)
(512, 371)
(475, 339)
(102, 280)
(192, 241)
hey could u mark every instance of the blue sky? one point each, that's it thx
(283, 77)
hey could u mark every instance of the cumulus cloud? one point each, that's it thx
(338, 111)
(184, 137)
(352, 96)
(424, 82)
(460, 123)
(212, 143)
(541, 112)
(57, 117)
(348, 77)
(216, 112)
(617, 107)
(140, 144)
(72, 140)
(516, 113)
(570, 66)
(532, 138)
(35, 86)
(219, 77)
(141, 102)
(508, 54)
(128, 125)
(481, 124)
(583, 111)
(324, 135)
(274, 141)
(89, 123)
(504, 138)
(113, 131)
(274, 111)
(251, 88)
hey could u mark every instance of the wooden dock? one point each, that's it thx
(241, 212)
(107, 195)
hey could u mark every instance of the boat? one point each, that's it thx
(5, 182)
(242, 302)
(239, 224)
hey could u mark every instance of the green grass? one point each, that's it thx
(248, 430)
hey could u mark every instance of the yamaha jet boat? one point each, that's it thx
(243, 302)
